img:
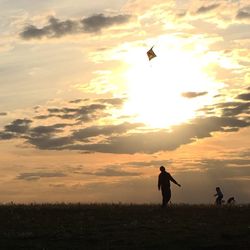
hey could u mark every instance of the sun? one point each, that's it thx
(155, 88)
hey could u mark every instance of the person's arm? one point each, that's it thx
(174, 181)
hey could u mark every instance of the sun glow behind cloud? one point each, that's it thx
(155, 88)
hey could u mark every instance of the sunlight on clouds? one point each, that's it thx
(155, 88)
(101, 84)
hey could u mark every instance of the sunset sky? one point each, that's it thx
(86, 117)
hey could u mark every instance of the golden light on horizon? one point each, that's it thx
(155, 88)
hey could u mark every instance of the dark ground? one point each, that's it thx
(117, 226)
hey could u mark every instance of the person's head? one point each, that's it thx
(162, 169)
(217, 188)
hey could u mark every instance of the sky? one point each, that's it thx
(86, 117)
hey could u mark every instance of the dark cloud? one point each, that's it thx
(162, 140)
(104, 130)
(205, 9)
(96, 23)
(243, 13)
(84, 113)
(181, 14)
(32, 31)
(239, 109)
(57, 28)
(55, 110)
(38, 175)
(78, 100)
(19, 126)
(6, 135)
(49, 142)
(110, 172)
(41, 130)
(231, 109)
(193, 94)
(39, 136)
(117, 102)
(245, 96)
(42, 117)
(124, 138)
(43, 137)
(227, 104)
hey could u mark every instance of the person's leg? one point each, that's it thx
(163, 198)
(220, 200)
(168, 195)
(217, 201)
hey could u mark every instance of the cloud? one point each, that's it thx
(116, 102)
(243, 13)
(57, 28)
(126, 137)
(19, 126)
(84, 113)
(6, 135)
(162, 140)
(77, 100)
(214, 163)
(205, 9)
(148, 163)
(41, 130)
(104, 130)
(232, 108)
(193, 94)
(245, 96)
(226, 168)
(49, 142)
(3, 113)
(36, 176)
(238, 109)
(96, 23)
(42, 117)
(42, 137)
(235, 32)
(111, 172)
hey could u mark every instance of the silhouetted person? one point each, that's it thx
(231, 201)
(164, 185)
(219, 195)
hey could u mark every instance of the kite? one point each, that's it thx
(151, 54)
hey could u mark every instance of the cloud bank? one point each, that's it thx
(57, 28)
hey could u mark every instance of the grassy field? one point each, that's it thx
(118, 226)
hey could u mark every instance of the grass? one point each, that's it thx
(120, 226)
